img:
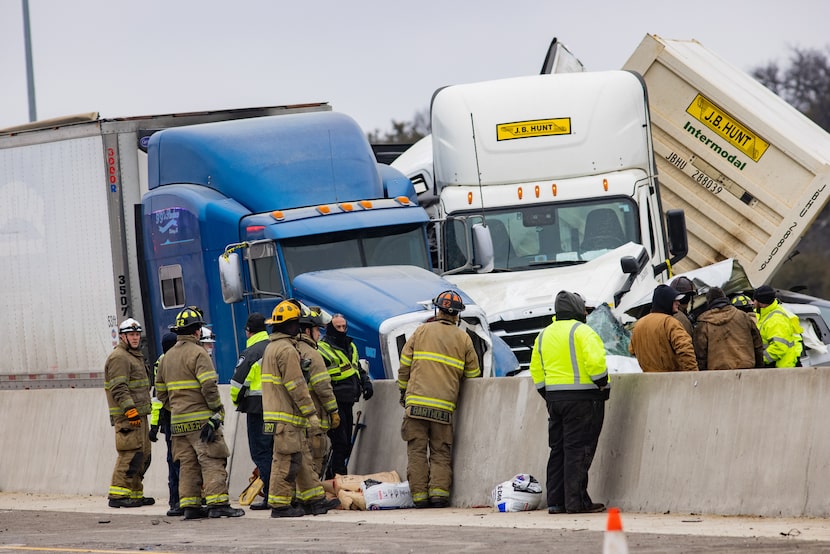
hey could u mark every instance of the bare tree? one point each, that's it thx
(404, 132)
(805, 84)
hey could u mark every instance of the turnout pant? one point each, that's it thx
(262, 448)
(318, 443)
(429, 458)
(574, 427)
(133, 447)
(291, 471)
(201, 464)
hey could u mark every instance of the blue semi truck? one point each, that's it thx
(231, 210)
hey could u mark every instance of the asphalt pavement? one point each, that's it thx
(43, 523)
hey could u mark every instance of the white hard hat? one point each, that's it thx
(207, 335)
(130, 325)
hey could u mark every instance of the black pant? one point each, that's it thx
(574, 427)
(172, 469)
(262, 449)
(341, 440)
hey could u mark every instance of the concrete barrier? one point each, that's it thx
(748, 442)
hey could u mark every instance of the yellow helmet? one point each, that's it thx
(285, 311)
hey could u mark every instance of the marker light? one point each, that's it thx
(553, 189)
(346, 207)
(255, 228)
(536, 190)
(403, 201)
(605, 185)
(520, 192)
(325, 210)
(366, 204)
(278, 215)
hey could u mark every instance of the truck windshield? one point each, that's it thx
(542, 235)
(401, 245)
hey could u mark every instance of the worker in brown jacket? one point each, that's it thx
(726, 337)
(288, 412)
(434, 361)
(658, 340)
(319, 384)
(127, 385)
(186, 384)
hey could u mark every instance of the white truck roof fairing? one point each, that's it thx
(503, 131)
(750, 171)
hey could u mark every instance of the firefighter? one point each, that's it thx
(246, 394)
(186, 385)
(288, 412)
(780, 330)
(348, 380)
(434, 361)
(127, 385)
(319, 384)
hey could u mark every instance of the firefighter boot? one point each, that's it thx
(225, 511)
(195, 513)
(287, 511)
(322, 506)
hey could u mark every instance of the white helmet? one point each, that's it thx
(130, 325)
(207, 335)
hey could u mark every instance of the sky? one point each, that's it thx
(374, 60)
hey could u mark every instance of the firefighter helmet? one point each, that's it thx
(449, 302)
(188, 320)
(129, 325)
(742, 302)
(285, 311)
(207, 335)
(311, 317)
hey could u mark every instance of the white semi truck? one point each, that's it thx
(561, 169)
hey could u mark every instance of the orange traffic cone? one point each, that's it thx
(614, 542)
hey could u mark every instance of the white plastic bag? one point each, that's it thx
(521, 494)
(386, 496)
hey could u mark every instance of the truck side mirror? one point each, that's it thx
(482, 248)
(678, 238)
(230, 276)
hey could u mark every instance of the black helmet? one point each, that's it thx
(449, 302)
(311, 316)
(742, 302)
(188, 320)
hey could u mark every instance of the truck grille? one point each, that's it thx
(520, 335)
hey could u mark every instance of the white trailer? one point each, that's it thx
(748, 169)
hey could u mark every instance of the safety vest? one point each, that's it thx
(567, 356)
(339, 365)
(781, 335)
(157, 405)
(253, 378)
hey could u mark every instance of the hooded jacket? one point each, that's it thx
(727, 338)
(781, 335)
(659, 341)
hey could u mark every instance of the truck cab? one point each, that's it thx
(243, 214)
(560, 169)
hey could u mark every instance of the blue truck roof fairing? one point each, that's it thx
(260, 162)
(320, 224)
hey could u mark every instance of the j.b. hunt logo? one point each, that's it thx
(727, 127)
(533, 128)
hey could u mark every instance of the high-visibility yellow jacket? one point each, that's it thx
(186, 385)
(347, 377)
(246, 383)
(781, 335)
(568, 360)
(434, 360)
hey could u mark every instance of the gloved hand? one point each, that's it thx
(313, 421)
(132, 415)
(542, 393)
(368, 389)
(208, 433)
(154, 433)
(403, 398)
(335, 420)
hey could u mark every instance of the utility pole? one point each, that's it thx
(30, 74)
